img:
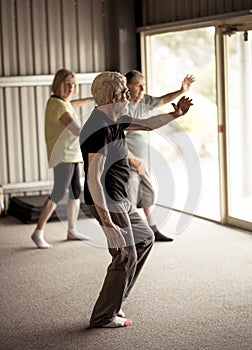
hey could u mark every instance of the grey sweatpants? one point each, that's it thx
(140, 189)
(126, 264)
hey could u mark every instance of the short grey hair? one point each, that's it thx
(132, 74)
(105, 83)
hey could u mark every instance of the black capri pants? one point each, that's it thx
(66, 176)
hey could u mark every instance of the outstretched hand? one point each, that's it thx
(183, 105)
(187, 82)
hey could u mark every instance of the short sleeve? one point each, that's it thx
(125, 121)
(98, 142)
(151, 100)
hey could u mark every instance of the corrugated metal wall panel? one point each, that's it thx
(55, 37)
(85, 36)
(41, 97)
(69, 25)
(9, 38)
(24, 38)
(200, 8)
(84, 111)
(1, 43)
(39, 30)
(41, 36)
(28, 134)
(3, 143)
(159, 11)
(13, 136)
(98, 33)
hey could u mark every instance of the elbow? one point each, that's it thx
(146, 128)
(76, 132)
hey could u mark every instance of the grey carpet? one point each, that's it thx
(193, 294)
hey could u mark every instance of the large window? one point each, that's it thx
(184, 155)
(202, 162)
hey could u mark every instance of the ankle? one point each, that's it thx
(38, 232)
(38, 239)
(154, 228)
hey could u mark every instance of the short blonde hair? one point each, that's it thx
(106, 83)
(58, 82)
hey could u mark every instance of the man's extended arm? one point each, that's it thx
(159, 120)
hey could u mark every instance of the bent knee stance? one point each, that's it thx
(66, 176)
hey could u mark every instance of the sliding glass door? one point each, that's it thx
(184, 155)
(238, 49)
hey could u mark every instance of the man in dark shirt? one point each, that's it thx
(105, 154)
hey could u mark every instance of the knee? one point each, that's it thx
(75, 193)
(150, 239)
(56, 197)
(125, 259)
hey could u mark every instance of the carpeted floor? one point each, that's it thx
(193, 294)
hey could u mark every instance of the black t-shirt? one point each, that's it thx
(101, 134)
